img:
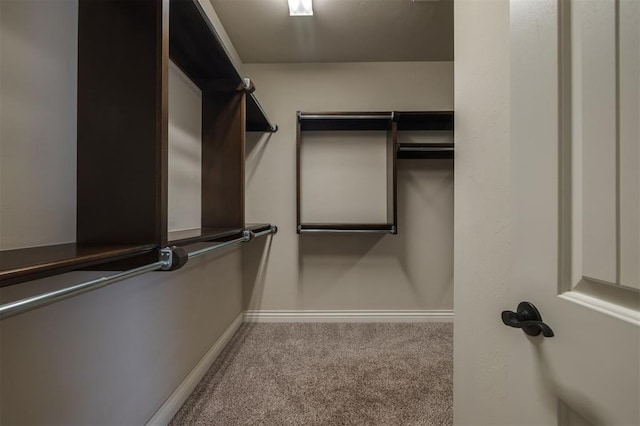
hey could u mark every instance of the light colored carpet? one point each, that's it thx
(328, 374)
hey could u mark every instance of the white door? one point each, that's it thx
(574, 231)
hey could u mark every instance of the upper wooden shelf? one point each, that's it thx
(39, 262)
(196, 47)
(407, 120)
(191, 34)
(191, 236)
(424, 120)
(344, 120)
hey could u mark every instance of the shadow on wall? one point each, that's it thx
(425, 246)
(255, 273)
(326, 262)
(353, 267)
(410, 270)
(255, 147)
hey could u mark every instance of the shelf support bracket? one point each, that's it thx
(173, 258)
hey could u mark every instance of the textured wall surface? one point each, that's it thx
(38, 74)
(409, 271)
(482, 201)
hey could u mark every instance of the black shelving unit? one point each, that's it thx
(437, 151)
(424, 120)
(393, 122)
(350, 121)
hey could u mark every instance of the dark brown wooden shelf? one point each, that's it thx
(195, 47)
(310, 121)
(28, 264)
(407, 120)
(424, 120)
(191, 236)
(425, 151)
(385, 228)
(380, 121)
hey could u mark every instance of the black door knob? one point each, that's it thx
(528, 319)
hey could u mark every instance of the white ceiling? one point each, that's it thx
(340, 30)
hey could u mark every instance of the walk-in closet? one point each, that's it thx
(262, 212)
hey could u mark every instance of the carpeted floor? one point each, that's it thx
(328, 374)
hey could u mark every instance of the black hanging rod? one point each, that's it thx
(425, 151)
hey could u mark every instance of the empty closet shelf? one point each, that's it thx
(426, 151)
(378, 228)
(191, 236)
(316, 121)
(425, 120)
(196, 47)
(28, 264)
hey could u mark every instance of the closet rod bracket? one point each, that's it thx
(248, 85)
(173, 258)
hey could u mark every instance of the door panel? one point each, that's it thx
(601, 63)
(572, 231)
(570, 205)
(593, 56)
(629, 75)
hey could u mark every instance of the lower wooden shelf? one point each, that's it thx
(28, 264)
(379, 228)
(17, 266)
(191, 236)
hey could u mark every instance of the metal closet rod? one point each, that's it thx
(246, 237)
(171, 258)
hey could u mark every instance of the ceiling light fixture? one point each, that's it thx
(300, 8)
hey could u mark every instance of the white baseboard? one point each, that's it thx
(171, 406)
(348, 316)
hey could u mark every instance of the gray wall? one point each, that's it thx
(409, 271)
(38, 76)
(113, 356)
(483, 179)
